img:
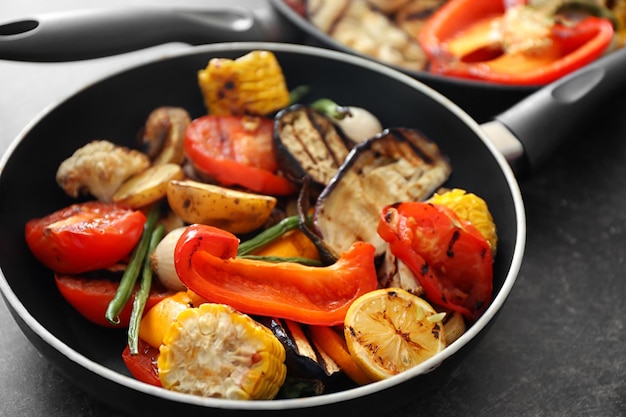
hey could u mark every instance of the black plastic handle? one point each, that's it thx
(77, 35)
(543, 120)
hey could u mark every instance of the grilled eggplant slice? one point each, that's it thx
(304, 359)
(397, 165)
(393, 273)
(412, 16)
(358, 25)
(308, 144)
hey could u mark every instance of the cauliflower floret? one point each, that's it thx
(99, 168)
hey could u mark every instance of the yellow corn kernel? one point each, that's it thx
(215, 351)
(472, 208)
(253, 84)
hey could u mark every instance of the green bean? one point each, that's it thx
(141, 296)
(268, 235)
(297, 93)
(276, 259)
(129, 278)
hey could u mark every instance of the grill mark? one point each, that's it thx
(401, 136)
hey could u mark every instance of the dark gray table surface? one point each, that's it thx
(558, 347)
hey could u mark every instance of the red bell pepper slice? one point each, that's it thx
(237, 150)
(570, 47)
(205, 259)
(449, 257)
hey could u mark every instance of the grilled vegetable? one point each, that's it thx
(450, 258)
(214, 351)
(143, 365)
(392, 272)
(141, 295)
(236, 150)
(84, 237)
(308, 144)
(148, 186)
(521, 45)
(250, 85)
(90, 294)
(268, 236)
(163, 135)
(455, 326)
(413, 15)
(396, 165)
(357, 25)
(134, 268)
(356, 123)
(160, 316)
(235, 211)
(334, 344)
(304, 359)
(99, 168)
(162, 261)
(293, 244)
(472, 208)
(206, 263)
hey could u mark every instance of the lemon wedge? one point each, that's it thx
(390, 330)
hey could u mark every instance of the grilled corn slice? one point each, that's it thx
(214, 351)
(472, 208)
(253, 84)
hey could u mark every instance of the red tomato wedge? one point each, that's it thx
(450, 258)
(91, 295)
(143, 366)
(84, 237)
(237, 150)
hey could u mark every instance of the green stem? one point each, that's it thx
(276, 259)
(129, 278)
(297, 93)
(268, 235)
(141, 297)
(330, 108)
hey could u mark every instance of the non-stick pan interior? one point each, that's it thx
(116, 108)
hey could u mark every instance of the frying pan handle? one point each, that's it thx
(547, 117)
(94, 33)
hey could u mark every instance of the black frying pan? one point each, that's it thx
(117, 106)
(92, 33)
(481, 99)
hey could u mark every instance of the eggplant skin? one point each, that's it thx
(398, 165)
(308, 144)
(304, 359)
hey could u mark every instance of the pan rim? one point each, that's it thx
(102, 371)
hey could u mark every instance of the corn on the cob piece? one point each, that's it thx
(472, 208)
(214, 351)
(253, 84)
(157, 320)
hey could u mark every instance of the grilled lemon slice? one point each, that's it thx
(391, 330)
